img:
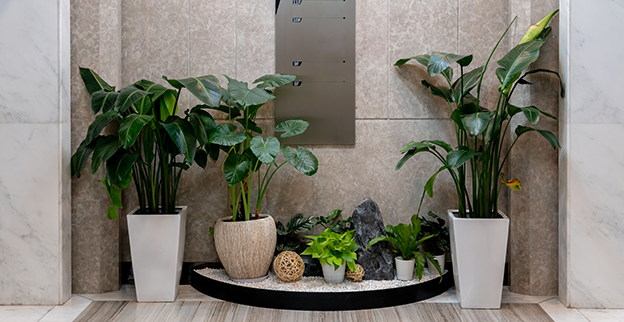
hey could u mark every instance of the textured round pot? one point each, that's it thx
(478, 248)
(332, 275)
(246, 247)
(156, 247)
(440, 258)
(404, 268)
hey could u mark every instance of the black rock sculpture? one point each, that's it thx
(312, 266)
(377, 260)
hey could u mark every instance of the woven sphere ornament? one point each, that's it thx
(354, 276)
(288, 266)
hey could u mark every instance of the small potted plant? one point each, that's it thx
(335, 252)
(439, 245)
(405, 240)
(245, 240)
(151, 147)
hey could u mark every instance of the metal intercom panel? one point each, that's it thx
(315, 40)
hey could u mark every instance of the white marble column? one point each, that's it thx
(591, 265)
(35, 241)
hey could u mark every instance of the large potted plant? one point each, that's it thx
(406, 240)
(335, 251)
(151, 147)
(245, 240)
(479, 230)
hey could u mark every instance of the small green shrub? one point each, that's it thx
(333, 249)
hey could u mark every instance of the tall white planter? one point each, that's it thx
(478, 248)
(157, 246)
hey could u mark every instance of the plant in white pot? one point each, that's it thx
(405, 239)
(335, 252)
(151, 148)
(440, 244)
(478, 228)
(245, 240)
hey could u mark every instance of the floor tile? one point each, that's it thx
(188, 293)
(509, 297)
(603, 315)
(126, 293)
(20, 313)
(68, 311)
(560, 313)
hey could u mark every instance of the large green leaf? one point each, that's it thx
(104, 149)
(303, 160)
(291, 127)
(300, 224)
(100, 122)
(517, 60)
(422, 59)
(224, 135)
(440, 91)
(412, 149)
(168, 105)
(232, 112)
(205, 88)
(81, 156)
(114, 194)
(103, 101)
(93, 82)
(173, 82)
(245, 96)
(128, 96)
(532, 113)
(266, 151)
(466, 83)
(201, 158)
(236, 168)
(181, 133)
(549, 136)
(203, 124)
(429, 185)
(249, 125)
(476, 123)
(119, 169)
(457, 158)
(275, 80)
(438, 62)
(447, 147)
(130, 128)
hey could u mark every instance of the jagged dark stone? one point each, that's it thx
(377, 260)
(312, 266)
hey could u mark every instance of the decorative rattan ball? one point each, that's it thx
(288, 266)
(354, 276)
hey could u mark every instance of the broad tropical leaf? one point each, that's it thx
(429, 185)
(532, 113)
(119, 169)
(114, 194)
(168, 105)
(236, 168)
(201, 158)
(249, 125)
(275, 80)
(203, 124)
(245, 96)
(517, 60)
(457, 158)
(112, 213)
(412, 149)
(100, 122)
(291, 127)
(266, 151)
(438, 62)
(476, 123)
(173, 82)
(466, 83)
(447, 147)
(224, 135)
(205, 88)
(93, 82)
(103, 101)
(104, 149)
(181, 133)
(422, 59)
(79, 158)
(440, 91)
(303, 160)
(549, 136)
(300, 224)
(130, 128)
(128, 96)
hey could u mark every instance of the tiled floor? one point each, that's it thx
(77, 303)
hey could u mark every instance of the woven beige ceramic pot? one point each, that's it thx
(246, 247)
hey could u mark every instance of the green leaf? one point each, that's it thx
(103, 101)
(181, 133)
(447, 147)
(275, 80)
(434, 262)
(201, 158)
(420, 265)
(79, 158)
(112, 212)
(441, 91)
(173, 82)
(168, 104)
(431, 181)
(203, 124)
(438, 62)
(422, 59)
(93, 82)
(128, 96)
(213, 151)
(292, 127)
(469, 81)
(266, 151)
(532, 113)
(249, 125)
(130, 129)
(114, 194)
(476, 123)
(224, 135)
(205, 88)
(412, 149)
(300, 224)
(456, 158)
(232, 112)
(236, 168)
(104, 149)
(245, 96)
(303, 160)
(517, 60)
(119, 169)
(100, 122)
(549, 136)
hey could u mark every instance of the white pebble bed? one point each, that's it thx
(315, 283)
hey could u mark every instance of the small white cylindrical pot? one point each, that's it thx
(156, 247)
(332, 275)
(404, 268)
(478, 248)
(431, 267)
(246, 248)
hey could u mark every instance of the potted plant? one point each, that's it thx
(151, 148)
(406, 242)
(478, 228)
(245, 240)
(335, 252)
(438, 245)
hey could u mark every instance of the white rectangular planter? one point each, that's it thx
(478, 248)
(157, 246)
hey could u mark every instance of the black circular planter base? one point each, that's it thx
(317, 301)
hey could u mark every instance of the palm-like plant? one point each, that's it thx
(152, 145)
(481, 132)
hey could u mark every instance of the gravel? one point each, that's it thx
(314, 283)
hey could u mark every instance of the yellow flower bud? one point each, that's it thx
(536, 29)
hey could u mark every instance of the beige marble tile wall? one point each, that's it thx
(180, 38)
